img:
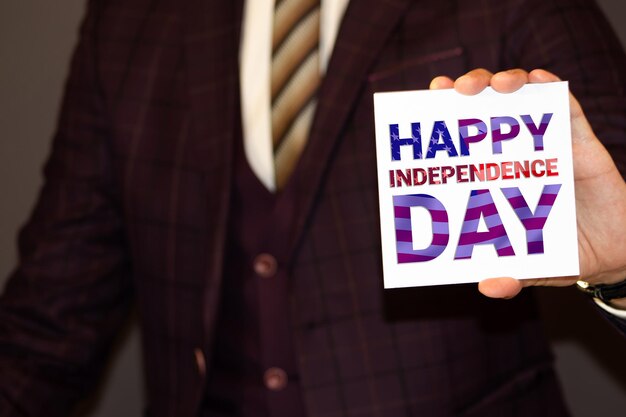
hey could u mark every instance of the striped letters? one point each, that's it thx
(480, 206)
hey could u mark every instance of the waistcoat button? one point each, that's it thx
(200, 361)
(265, 265)
(275, 379)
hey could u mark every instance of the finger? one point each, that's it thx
(510, 287)
(473, 82)
(580, 127)
(542, 76)
(582, 133)
(441, 82)
(509, 81)
(549, 282)
(581, 130)
(500, 287)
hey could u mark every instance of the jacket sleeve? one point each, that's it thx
(71, 290)
(573, 39)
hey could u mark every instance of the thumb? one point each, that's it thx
(509, 287)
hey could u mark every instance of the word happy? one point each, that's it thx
(480, 204)
(440, 139)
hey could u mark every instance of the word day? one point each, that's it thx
(480, 205)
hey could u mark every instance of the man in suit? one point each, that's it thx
(259, 303)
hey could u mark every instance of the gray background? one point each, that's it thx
(36, 38)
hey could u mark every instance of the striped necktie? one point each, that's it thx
(295, 80)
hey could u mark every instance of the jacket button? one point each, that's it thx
(200, 361)
(275, 379)
(265, 265)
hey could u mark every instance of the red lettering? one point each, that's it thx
(477, 171)
(461, 173)
(493, 171)
(433, 175)
(419, 176)
(534, 170)
(551, 167)
(523, 169)
(507, 170)
(446, 172)
(403, 177)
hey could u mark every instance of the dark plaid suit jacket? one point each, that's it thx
(135, 205)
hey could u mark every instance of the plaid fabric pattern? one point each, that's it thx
(136, 201)
(476, 360)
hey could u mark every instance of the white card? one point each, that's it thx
(473, 187)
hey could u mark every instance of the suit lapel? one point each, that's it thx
(211, 45)
(363, 32)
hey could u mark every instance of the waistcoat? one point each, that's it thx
(253, 370)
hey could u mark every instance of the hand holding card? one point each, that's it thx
(600, 192)
(493, 193)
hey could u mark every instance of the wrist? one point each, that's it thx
(613, 294)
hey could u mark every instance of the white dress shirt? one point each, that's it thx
(615, 311)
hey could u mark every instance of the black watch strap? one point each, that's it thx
(604, 292)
